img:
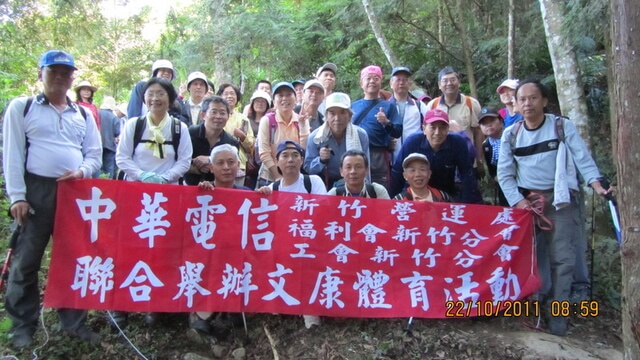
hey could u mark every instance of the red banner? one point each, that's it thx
(143, 247)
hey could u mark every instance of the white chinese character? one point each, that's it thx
(141, 292)
(330, 292)
(384, 255)
(403, 209)
(464, 291)
(236, 282)
(370, 231)
(504, 217)
(467, 261)
(342, 251)
(278, 287)
(90, 210)
(150, 218)
(404, 234)
(261, 240)
(502, 288)
(445, 233)
(429, 254)
(457, 213)
(370, 289)
(472, 241)
(507, 232)
(302, 253)
(190, 283)
(203, 225)
(418, 290)
(93, 274)
(333, 229)
(304, 205)
(344, 206)
(504, 251)
(305, 230)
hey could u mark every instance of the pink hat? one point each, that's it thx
(509, 83)
(371, 69)
(435, 115)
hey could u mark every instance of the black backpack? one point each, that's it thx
(141, 125)
(371, 191)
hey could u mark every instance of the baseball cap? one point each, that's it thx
(414, 157)
(197, 75)
(163, 64)
(122, 107)
(327, 66)
(435, 115)
(398, 69)
(313, 82)
(57, 57)
(339, 100)
(371, 69)
(288, 144)
(85, 83)
(297, 81)
(487, 112)
(509, 83)
(280, 86)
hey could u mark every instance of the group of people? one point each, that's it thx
(299, 137)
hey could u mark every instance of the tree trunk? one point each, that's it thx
(571, 95)
(377, 31)
(441, 29)
(511, 42)
(625, 107)
(464, 40)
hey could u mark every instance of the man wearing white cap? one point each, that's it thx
(198, 87)
(326, 74)
(507, 92)
(312, 96)
(160, 68)
(330, 141)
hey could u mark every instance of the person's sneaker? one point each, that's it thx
(310, 320)
(120, 318)
(21, 340)
(558, 325)
(85, 334)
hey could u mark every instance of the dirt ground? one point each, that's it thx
(284, 337)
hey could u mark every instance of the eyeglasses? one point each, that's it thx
(157, 94)
(229, 93)
(449, 81)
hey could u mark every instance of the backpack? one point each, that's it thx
(371, 191)
(515, 130)
(306, 179)
(273, 125)
(141, 124)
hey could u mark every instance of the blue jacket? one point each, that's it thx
(379, 136)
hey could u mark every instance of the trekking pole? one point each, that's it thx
(613, 208)
(593, 242)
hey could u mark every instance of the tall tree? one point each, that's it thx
(571, 94)
(380, 37)
(625, 22)
(511, 39)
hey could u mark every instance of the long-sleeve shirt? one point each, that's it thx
(531, 162)
(453, 154)
(379, 135)
(110, 129)
(237, 120)
(57, 142)
(143, 160)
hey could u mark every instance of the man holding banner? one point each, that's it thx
(49, 124)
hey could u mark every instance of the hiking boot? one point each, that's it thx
(85, 334)
(21, 340)
(558, 325)
(199, 324)
(119, 318)
(579, 294)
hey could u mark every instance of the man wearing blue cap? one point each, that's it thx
(48, 124)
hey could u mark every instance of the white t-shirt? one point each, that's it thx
(317, 186)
